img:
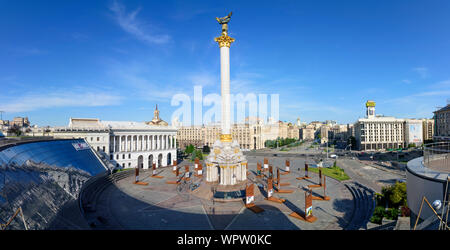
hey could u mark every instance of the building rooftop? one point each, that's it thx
(446, 108)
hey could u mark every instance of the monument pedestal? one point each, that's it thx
(226, 164)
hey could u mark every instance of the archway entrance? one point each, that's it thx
(150, 161)
(169, 159)
(159, 160)
(141, 161)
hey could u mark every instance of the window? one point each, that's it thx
(123, 156)
(129, 156)
(98, 138)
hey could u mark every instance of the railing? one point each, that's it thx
(437, 156)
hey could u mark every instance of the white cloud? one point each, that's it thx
(442, 84)
(129, 23)
(30, 102)
(406, 81)
(422, 71)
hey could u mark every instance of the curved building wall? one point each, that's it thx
(423, 182)
(45, 178)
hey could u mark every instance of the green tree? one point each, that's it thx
(197, 154)
(206, 149)
(189, 149)
(395, 194)
(352, 140)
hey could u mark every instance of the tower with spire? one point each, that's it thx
(156, 120)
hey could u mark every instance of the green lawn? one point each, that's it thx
(333, 172)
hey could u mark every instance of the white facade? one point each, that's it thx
(379, 132)
(126, 144)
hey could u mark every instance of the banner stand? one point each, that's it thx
(177, 181)
(250, 199)
(286, 191)
(287, 170)
(154, 172)
(174, 166)
(324, 197)
(307, 215)
(266, 164)
(258, 170)
(199, 170)
(320, 180)
(270, 196)
(186, 173)
(136, 178)
(306, 173)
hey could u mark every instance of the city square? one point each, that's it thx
(207, 121)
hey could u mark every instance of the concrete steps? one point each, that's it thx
(364, 205)
(93, 190)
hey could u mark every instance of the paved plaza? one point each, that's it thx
(163, 206)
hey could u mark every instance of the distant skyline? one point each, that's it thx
(115, 60)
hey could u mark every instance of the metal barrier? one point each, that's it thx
(436, 156)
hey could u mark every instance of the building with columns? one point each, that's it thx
(125, 144)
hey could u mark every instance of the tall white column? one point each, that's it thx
(114, 144)
(225, 88)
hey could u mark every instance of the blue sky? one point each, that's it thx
(116, 59)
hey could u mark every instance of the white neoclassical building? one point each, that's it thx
(126, 144)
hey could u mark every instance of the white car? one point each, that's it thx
(333, 156)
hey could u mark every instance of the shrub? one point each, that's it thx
(391, 213)
(395, 194)
(378, 215)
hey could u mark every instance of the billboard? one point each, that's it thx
(414, 133)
